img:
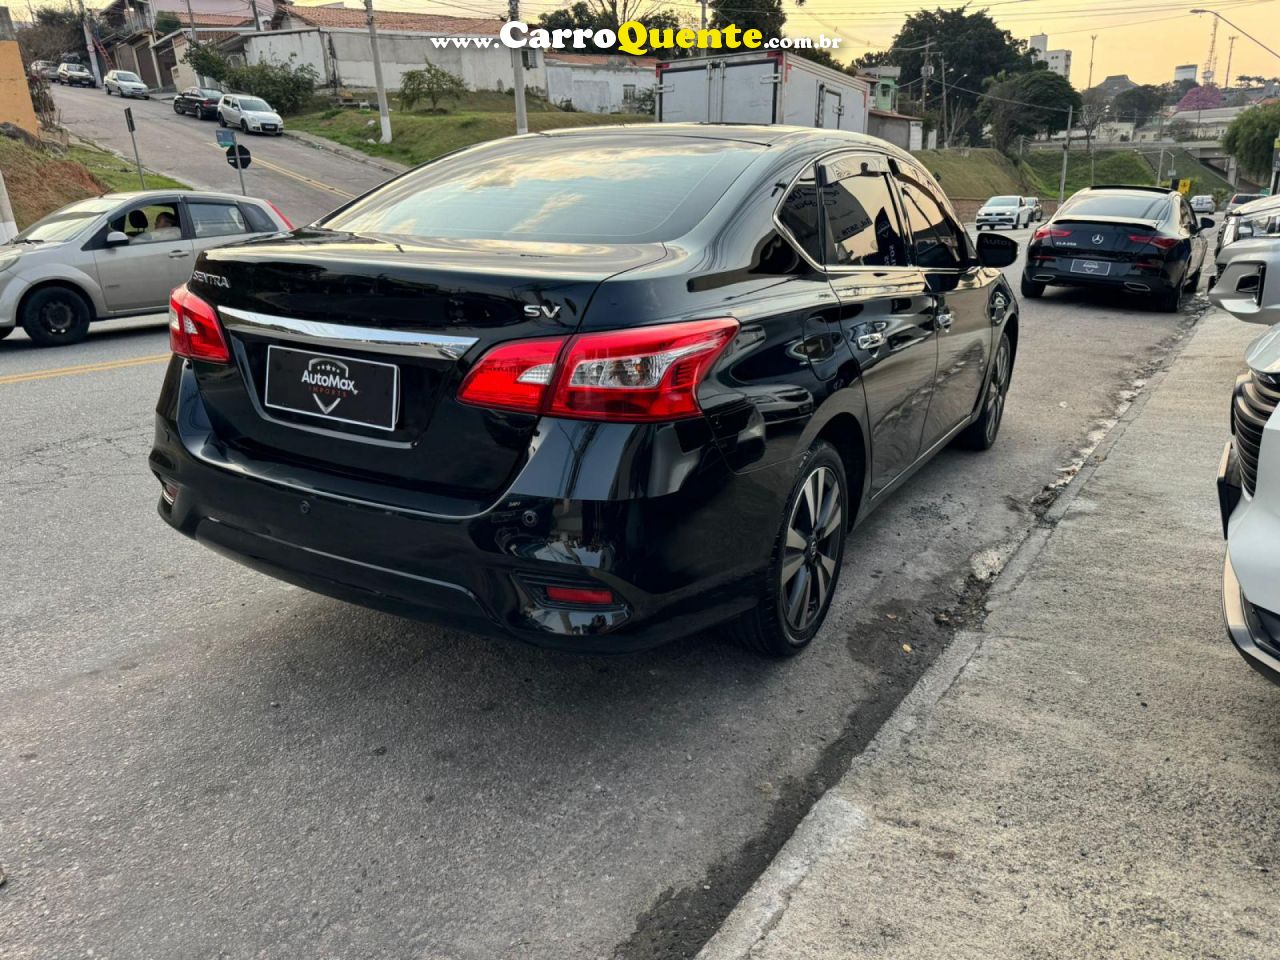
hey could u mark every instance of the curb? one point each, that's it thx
(320, 143)
(833, 820)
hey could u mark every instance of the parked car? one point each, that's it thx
(1203, 204)
(1249, 498)
(115, 256)
(1140, 240)
(543, 389)
(250, 114)
(1012, 212)
(201, 102)
(1248, 285)
(42, 69)
(74, 75)
(1037, 208)
(126, 84)
(1240, 199)
(1258, 214)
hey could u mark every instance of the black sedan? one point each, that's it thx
(201, 102)
(596, 388)
(1140, 240)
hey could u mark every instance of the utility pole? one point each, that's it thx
(191, 22)
(88, 43)
(517, 73)
(1092, 40)
(1231, 48)
(703, 4)
(1066, 152)
(8, 226)
(384, 114)
(946, 130)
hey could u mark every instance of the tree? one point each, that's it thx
(600, 15)
(1201, 98)
(1093, 110)
(207, 61)
(430, 83)
(973, 47)
(1138, 104)
(167, 22)
(767, 16)
(1023, 104)
(1250, 139)
(54, 31)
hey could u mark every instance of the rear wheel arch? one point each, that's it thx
(844, 432)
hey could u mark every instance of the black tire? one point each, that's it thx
(5, 331)
(982, 433)
(221, 121)
(106, 90)
(55, 316)
(1031, 289)
(244, 126)
(177, 109)
(1168, 301)
(1193, 283)
(804, 569)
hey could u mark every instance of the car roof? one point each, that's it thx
(135, 195)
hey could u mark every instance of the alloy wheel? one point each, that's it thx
(812, 549)
(997, 391)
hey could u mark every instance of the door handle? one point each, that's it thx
(178, 254)
(870, 341)
(945, 318)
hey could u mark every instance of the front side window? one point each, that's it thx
(862, 226)
(154, 223)
(936, 240)
(580, 188)
(216, 219)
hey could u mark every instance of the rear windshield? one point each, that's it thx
(1152, 207)
(615, 189)
(1246, 197)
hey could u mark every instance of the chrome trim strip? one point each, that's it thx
(436, 346)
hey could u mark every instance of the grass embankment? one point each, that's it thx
(1136, 165)
(420, 135)
(973, 174)
(40, 180)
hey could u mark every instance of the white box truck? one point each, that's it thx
(756, 87)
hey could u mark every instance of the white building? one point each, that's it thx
(1059, 61)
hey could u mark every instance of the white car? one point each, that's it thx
(1013, 212)
(250, 114)
(1203, 204)
(126, 84)
(1249, 472)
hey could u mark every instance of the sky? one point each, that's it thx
(1145, 40)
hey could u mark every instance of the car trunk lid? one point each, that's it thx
(1100, 238)
(347, 351)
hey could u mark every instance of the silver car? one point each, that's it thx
(126, 84)
(250, 114)
(117, 255)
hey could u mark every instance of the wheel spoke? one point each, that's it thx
(795, 539)
(822, 583)
(810, 506)
(798, 599)
(792, 564)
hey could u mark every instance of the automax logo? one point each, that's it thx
(635, 38)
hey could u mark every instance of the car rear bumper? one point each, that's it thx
(676, 564)
(1122, 276)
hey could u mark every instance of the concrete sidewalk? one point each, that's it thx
(1092, 774)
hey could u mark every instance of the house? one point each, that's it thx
(884, 86)
(601, 83)
(899, 129)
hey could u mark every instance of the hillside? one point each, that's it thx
(973, 174)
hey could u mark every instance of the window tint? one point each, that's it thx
(216, 219)
(799, 214)
(937, 240)
(580, 188)
(259, 222)
(862, 225)
(1151, 207)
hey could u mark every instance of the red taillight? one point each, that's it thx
(194, 330)
(641, 375)
(1045, 233)
(583, 595)
(1155, 240)
(287, 224)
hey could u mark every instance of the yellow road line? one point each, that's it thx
(83, 368)
(301, 178)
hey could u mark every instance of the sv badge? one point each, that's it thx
(537, 311)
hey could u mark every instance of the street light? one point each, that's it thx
(1215, 13)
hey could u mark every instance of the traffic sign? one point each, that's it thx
(226, 138)
(128, 119)
(238, 157)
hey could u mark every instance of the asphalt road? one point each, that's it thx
(305, 183)
(200, 761)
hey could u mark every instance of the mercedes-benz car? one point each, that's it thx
(1138, 240)
(597, 388)
(117, 255)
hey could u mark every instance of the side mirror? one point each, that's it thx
(1207, 223)
(116, 239)
(1244, 231)
(995, 250)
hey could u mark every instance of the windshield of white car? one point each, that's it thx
(65, 223)
(1003, 202)
(253, 104)
(128, 77)
(75, 68)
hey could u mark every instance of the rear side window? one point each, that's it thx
(799, 214)
(862, 226)
(259, 222)
(570, 189)
(216, 219)
(936, 240)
